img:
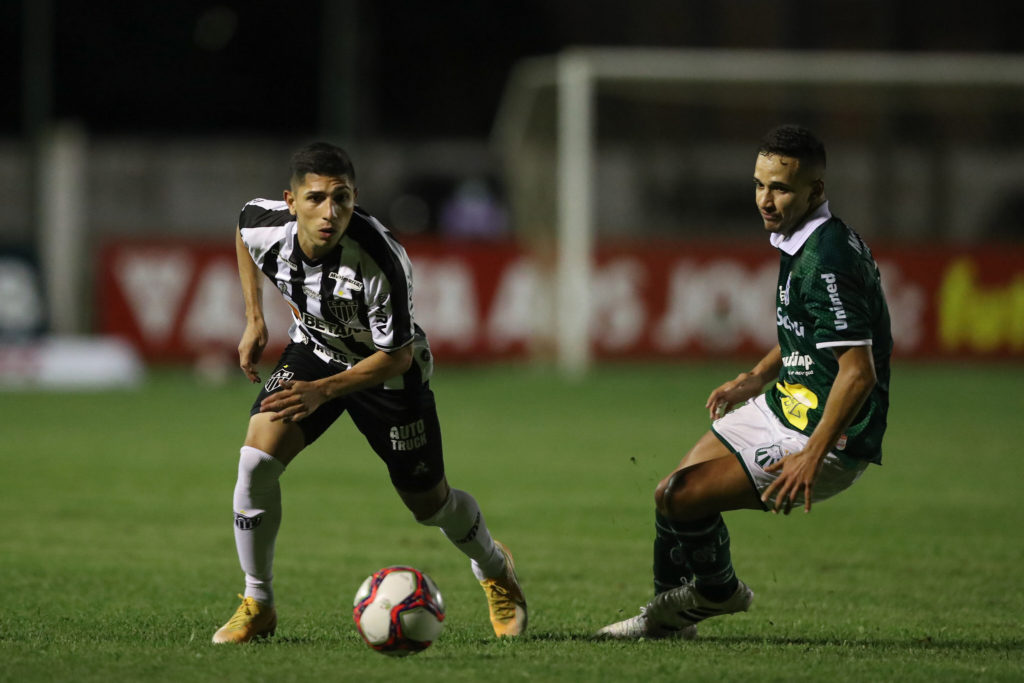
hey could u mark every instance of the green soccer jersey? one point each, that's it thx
(829, 295)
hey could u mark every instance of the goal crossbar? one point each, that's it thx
(576, 74)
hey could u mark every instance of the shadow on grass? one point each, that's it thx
(904, 644)
(896, 644)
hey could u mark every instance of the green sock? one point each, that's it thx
(705, 542)
(671, 569)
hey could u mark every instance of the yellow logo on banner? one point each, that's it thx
(796, 401)
(980, 318)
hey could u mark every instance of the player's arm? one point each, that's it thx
(299, 399)
(746, 385)
(255, 337)
(853, 384)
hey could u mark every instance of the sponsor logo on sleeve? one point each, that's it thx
(839, 313)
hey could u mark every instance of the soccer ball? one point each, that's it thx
(398, 611)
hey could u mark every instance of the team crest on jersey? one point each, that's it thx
(342, 304)
(275, 380)
(345, 311)
(784, 293)
(768, 455)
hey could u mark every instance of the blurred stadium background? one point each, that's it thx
(131, 135)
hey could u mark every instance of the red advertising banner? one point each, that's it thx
(477, 301)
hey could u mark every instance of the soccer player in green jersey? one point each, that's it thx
(816, 428)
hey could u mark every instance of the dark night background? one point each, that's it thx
(405, 69)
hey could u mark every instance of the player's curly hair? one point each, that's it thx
(321, 158)
(791, 140)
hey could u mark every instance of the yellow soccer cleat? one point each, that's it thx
(251, 620)
(505, 600)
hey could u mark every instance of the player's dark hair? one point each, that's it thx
(321, 158)
(790, 140)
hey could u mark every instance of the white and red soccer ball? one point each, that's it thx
(399, 611)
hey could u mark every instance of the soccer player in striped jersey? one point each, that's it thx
(354, 347)
(815, 430)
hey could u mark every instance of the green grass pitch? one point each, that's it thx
(117, 561)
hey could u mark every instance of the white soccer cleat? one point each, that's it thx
(640, 626)
(684, 606)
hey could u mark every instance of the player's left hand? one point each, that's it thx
(295, 401)
(799, 470)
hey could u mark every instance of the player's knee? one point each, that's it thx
(432, 507)
(257, 469)
(283, 440)
(670, 495)
(659, 492)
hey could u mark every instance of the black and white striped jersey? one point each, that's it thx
(354, 301)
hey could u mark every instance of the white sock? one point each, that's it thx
(257, 505)
(462, 522)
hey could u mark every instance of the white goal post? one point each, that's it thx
(576, 75)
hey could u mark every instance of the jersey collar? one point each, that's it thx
(796, 239)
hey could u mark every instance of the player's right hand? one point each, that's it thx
(732, 393)
(250, 349)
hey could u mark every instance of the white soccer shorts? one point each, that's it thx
(759, 438)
